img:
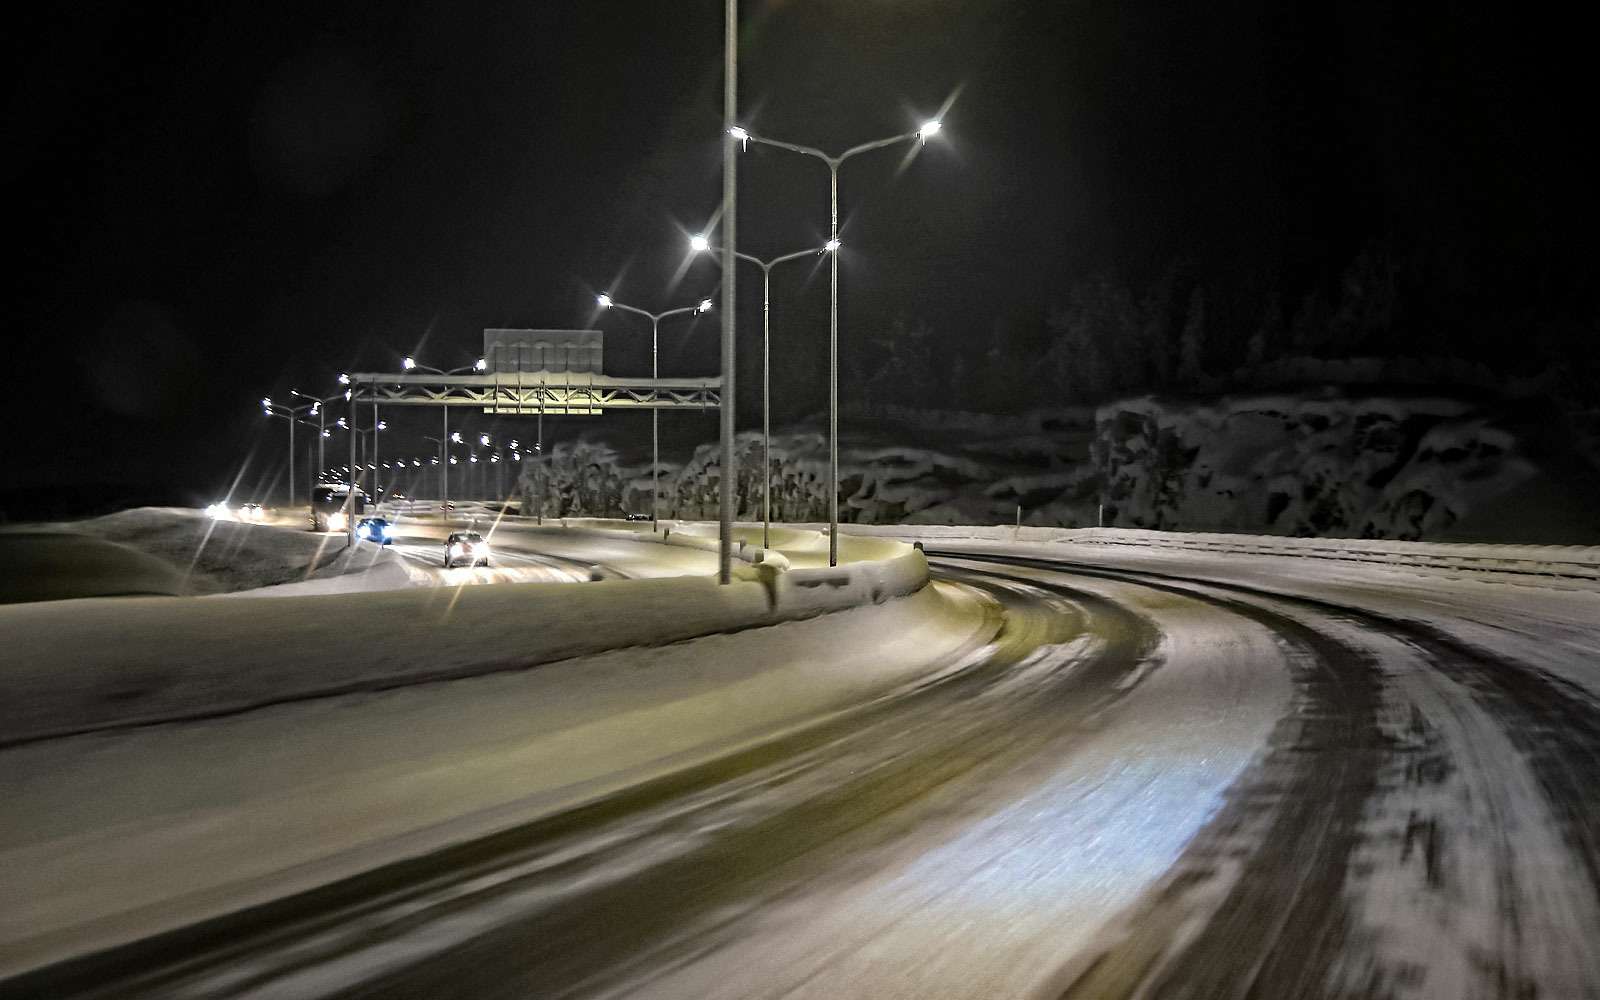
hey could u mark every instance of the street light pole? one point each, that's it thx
(730, 214)
(409, 363)
(293, 415)
(319, 408)
(607, 302)
(700, 244)
(922, 134)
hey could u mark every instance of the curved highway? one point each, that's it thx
(1161, 779)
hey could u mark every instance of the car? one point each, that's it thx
(375, 529)
(467, 547)
(636, 517)
(251, 512)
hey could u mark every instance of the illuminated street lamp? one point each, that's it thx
(319, 409)
(410, 364)
(605, 301)
(294, 415)
(699, 243)
(925, 132)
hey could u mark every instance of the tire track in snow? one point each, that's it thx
(657, 868)
(1268, 937)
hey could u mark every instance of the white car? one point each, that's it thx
(465, 548)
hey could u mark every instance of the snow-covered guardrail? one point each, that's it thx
(1574, 562)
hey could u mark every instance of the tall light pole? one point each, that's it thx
(605, 301)
(319, 409)
(700, 244)
(410, 364)
(743, 136)
(730, 310)
(294, 415)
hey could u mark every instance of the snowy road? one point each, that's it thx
(1168, 776)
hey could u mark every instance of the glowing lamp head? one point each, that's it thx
(482, 364)
(483, 439)
(383, 425)
(698, 243)
(344, 379)
(704, 306)
(455, 437)
(603, 300)
(408, 363)
(929, 129)
(739, 133)
(266, 403)
(832, 246)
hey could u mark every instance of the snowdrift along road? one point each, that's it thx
(1171, 773)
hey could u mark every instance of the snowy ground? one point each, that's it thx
(1075, 769)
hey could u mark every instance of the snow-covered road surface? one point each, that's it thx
(1169, 775)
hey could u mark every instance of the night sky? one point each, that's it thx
(220, 202)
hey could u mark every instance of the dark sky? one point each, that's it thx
(220, 201)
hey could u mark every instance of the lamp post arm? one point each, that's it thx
(637, 312)
(676, 312)
(874, 144)
(767, 265)
(797, 255)
(792, 147)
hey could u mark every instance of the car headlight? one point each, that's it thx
(388, 530)
(336, 521)
(455, 549)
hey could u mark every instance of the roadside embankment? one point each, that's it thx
(87, 665)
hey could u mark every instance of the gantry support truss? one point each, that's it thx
(530, 393)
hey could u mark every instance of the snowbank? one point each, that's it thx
(218, 556)
(83, 665)
(1566, 565)
(58, 565)
(119, 834)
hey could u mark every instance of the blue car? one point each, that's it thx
(375, 529)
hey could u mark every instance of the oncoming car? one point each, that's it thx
(251, 512)
(375, 529)
(465, 548)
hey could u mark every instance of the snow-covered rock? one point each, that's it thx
(1372, 467)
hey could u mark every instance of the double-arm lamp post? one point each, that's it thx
(700, 244)
(294, 415)
(744, 137)
(319, 409)
(410, 364)
(605, 301)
